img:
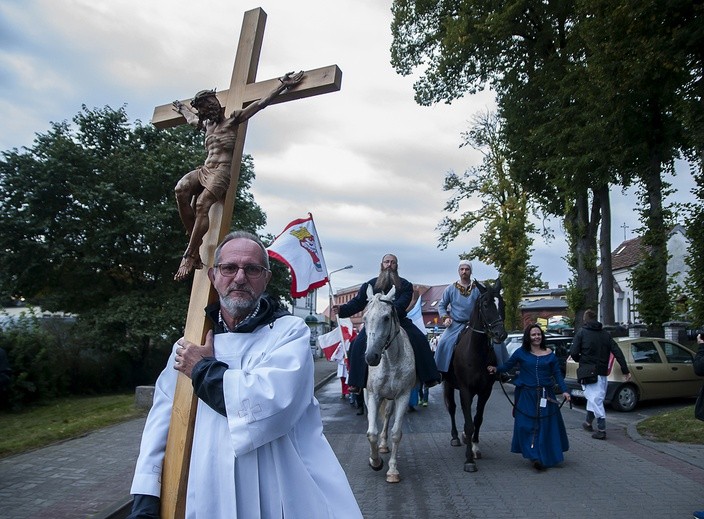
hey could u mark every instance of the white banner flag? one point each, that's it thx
(299, 248)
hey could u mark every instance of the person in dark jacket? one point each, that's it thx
(699, 358)
(388, 276)
(592, 345)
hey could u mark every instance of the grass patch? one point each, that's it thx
(674, 426)
(62, 419)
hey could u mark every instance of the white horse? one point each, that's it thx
(392, 376)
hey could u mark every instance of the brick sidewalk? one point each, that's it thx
(86, 476)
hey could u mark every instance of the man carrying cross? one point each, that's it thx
(258, 447)
(199, 189)
(244, 90)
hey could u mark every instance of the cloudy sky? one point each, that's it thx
(366, 161)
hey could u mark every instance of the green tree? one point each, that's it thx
(89, 225)
(645, 59)
(529, 54)
(695, 259)
(593, 93)
(504, 214)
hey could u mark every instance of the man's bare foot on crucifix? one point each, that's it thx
(188, 264)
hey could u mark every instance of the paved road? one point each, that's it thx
(625, 476)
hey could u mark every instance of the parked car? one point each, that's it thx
(512, 342)
(659, 368)
(559, 344)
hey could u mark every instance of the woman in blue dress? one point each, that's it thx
(538, 430)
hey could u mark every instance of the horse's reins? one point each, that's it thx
(487, 328)
(484, 331)
(538, 416)
(537, 409)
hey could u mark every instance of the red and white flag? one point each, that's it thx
(299, 248)
(336, 343)
(330, 343)
(347, 328)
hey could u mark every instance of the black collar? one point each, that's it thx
(269, 311)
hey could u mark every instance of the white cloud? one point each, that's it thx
(367, 161)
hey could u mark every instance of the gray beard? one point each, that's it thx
(386, 280)
(237, 307)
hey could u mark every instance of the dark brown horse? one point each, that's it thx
(474, 351)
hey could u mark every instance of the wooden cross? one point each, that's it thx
(243, 91)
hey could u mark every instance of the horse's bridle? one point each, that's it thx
(393, 336)
(487, 326)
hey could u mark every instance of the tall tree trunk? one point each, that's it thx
(649, 278)
(606, 304)
(581, 224)
(655, 296)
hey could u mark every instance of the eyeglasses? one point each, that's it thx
(230, 270)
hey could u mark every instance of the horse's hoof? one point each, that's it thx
(376, 468)
(393, 478)
(384, 450)
(470, 467)
(455, 442)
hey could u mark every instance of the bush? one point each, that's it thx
(54, 357)
(40, 367)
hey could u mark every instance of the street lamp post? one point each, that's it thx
(330, 292)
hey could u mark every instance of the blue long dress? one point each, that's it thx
(538, 432)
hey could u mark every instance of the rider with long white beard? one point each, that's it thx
(388, 276)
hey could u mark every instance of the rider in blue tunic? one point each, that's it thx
(538, 430)
(455, 309)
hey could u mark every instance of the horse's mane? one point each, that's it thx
(474, 318)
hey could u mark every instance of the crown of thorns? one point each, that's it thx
(202, 95)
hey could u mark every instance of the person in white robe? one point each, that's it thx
(258, 447)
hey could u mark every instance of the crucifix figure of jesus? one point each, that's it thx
(244, 98)
(199, 189)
